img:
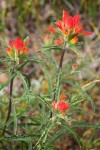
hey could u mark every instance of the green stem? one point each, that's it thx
(59, 71)
(56, 88)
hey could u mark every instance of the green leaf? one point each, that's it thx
(76, 51)
(78, 44)
(84, 125)
(28, 80)
(40, 99)
(20, 137)
(12, 119)
(7, 59)
(23, 81)
(33, 59)
(71, 130)
(6, 83)
(44, 134)
(50, 48)
(49, 81)
(53, 138)
(15, 118)
(56, 89)
(82, 92)
(12, 76)
(76, 102)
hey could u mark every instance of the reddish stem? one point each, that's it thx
(10, 99)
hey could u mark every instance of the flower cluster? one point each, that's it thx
(69, 27)
(74, 66)
(17, 48)
(61, 105)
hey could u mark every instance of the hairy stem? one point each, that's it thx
(10, 99)
(60, 66)
(61, 59)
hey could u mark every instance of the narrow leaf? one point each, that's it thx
(82, 92)
(49, 81)
(50, 48)
(84, 125)
(79, 53)
(12, 77)
(71, 130)
(23, 81)
(28, 80)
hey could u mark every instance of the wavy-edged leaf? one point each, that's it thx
(53, 138)
(56, 89)
(85, 125)
(76, 102)
(50, 48)
(6, 83)
(25, 85)
(78, 43)
(75, 50)
(28, 80)
(49, 81)
(15, 118)
(41, 99)
(12, 76)
(44, 134)
(20, 137)
(82, 92)
(12, 119)
(7, 59)
(33, 59)
(71, 130)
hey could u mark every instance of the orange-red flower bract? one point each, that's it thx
(47, 37)
(60, 106)
(74, 66)
(17, 47)
(51, 28)
(59, 41)
(62, 96)
(69, 27)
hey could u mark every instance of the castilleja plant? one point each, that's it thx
(67, 31)
(65, 35)
(16, 49)
(46, 124)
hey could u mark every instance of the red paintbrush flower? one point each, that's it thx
(51, 28)
(61, 106)
(62, 96)
(69, 27)
(17, 47)
(47, 37)
(86, 33)
(74, 66)
(59, 41)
